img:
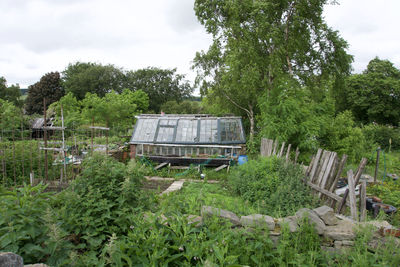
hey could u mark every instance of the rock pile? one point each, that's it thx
(337, 232)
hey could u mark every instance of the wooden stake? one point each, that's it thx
(282, 148)
(377, 164)
(46, 170)
(363, 199)
(288, 153)
(352, 195)
(315, 165)
(357, 178)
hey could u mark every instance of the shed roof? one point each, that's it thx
(187, 129)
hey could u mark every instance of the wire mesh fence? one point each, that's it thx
(47, 154)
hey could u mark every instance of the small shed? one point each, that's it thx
(186, 139)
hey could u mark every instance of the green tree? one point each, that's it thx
(185, 107)
(114, 109)
(48, 87)
(81, 78)
(374, 95)
(161, 85)
(257, 43)
(10, 93)
(72, 111)
(10, 116)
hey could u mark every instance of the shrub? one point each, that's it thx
(387, 137)
(343, 137)
(28, 226)
(272, 185)
(100, 201)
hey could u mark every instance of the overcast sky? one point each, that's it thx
(40, 36)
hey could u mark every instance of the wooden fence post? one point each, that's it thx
(352, 195)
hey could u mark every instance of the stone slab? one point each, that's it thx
(258, 220)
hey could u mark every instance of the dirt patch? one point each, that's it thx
(157, 186)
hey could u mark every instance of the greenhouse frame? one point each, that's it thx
(185, 139)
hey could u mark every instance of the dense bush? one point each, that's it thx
(381, 135)
(100, 201)
(344, 137)
(275, 187)
(28, 226)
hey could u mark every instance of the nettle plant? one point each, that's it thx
(272, 185)
(29, 227)
(100, 201)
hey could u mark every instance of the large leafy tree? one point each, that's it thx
(114, 109)
(161, 85)
(374, 95)
(257, 43)
(10, 93)
(81, 77)
(10, 116)
(48, 87)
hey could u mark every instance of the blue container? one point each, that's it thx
(242, 159)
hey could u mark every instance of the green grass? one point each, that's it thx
(193, 196)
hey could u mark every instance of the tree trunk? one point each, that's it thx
(250, 114)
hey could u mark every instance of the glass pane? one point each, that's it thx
(186, 131)
(165, 134)
(231, 130)
(145, 130)
(209, 131)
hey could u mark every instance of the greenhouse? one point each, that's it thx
(171, 138)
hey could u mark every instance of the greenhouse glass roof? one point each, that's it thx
(187, 129)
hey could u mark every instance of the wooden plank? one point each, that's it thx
(179, 167)
(296, 155)
(325, 192)
(282, 148)
(276, 143)
(221, 167)
(338, 173)
(332, 174)
(315, 164)
(352, 195)
(309, 167)
(159, 166)
(357, 178)
(53, 128)
(332, 158)
(288, 153)
(363, 199)
(52, 148)
(99, 128)
(321, 168)
(263, 148)
(270, 147)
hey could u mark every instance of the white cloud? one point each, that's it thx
(39, 36)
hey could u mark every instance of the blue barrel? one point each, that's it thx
(242, 159)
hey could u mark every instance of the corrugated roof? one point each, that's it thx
(188, 129)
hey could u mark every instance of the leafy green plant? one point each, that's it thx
(100, 201)
(28, 228)
(273, 186)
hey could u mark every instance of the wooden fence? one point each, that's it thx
(323, 174)
(270, 147)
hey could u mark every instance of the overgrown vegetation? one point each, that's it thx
(271, 185)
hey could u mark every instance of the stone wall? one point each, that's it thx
(337, 231)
